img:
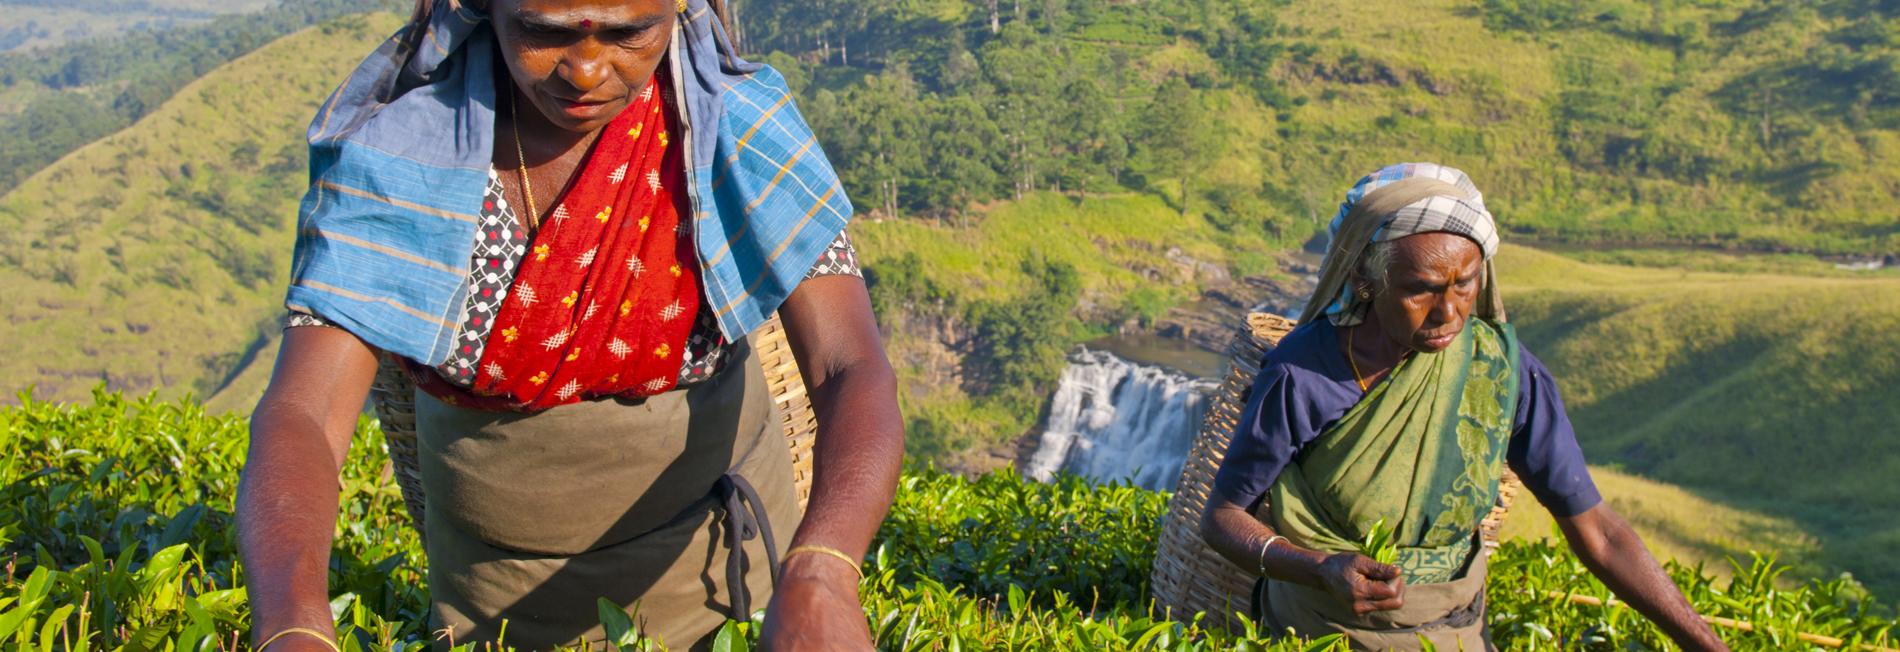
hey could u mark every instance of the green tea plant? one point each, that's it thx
(1380, 543)
(988, 535)
(116, 534)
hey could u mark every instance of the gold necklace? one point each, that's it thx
(1354, 360)
(521, 160)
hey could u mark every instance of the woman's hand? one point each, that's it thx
(1365, 584)
(815, 608)
(1615, 554)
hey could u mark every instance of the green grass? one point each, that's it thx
(157, 256)
(116, 517)
(1762, 392)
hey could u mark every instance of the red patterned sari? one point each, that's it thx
(604, 301)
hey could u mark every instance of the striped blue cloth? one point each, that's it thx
(399, 158)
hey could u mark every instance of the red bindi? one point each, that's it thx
(587, 24)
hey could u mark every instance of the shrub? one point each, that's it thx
(116, 522)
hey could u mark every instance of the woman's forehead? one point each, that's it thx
(1435, 252)
(586, 13)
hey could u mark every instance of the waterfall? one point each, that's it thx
(1111, 419)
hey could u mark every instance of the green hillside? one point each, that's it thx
(156, 257)
(56, 100)
(1773, 394)
(1752, 124)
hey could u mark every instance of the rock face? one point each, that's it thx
(1210, 321)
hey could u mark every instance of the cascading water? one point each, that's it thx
(1111, 419)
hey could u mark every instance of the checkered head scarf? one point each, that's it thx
(1397, 201)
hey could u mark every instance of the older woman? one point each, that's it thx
(1394, 405)
(564, 217)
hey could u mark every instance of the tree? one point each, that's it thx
(1019, 343)
(1175, 137)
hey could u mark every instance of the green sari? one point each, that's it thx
(1423, 451)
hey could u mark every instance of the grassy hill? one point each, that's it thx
(55, 100)
(1762, 392)
(1731, 123)
(156, 257)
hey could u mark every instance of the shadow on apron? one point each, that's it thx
(533, 517)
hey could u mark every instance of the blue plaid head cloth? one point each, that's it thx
(399, 158)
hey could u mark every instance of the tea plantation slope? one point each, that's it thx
(1769, 393)
(116, 515)
(155, 258)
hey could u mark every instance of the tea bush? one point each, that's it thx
(116, 533)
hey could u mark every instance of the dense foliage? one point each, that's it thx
(931, 108)
(1738, 123)
(116, 518)
(52, 102)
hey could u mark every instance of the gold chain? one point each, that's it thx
(521, 159)
(1354, 359)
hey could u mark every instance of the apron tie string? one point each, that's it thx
(746, 520)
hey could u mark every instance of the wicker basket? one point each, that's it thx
(394, 397)
(1189, 577)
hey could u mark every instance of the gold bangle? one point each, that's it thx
(829, 551)
(299, 630)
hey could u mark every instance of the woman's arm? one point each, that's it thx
(857, 455)
(1543, 451)
(287, 498)
(1234, 533)
(1616, 555)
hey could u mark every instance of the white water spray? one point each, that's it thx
(1111, 419)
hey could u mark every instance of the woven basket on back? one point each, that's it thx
(394, 396)
(1189, 577)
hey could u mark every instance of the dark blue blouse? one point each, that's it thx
(1304, 385)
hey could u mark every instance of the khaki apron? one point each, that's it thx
(533, 517)
(1449, 614)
